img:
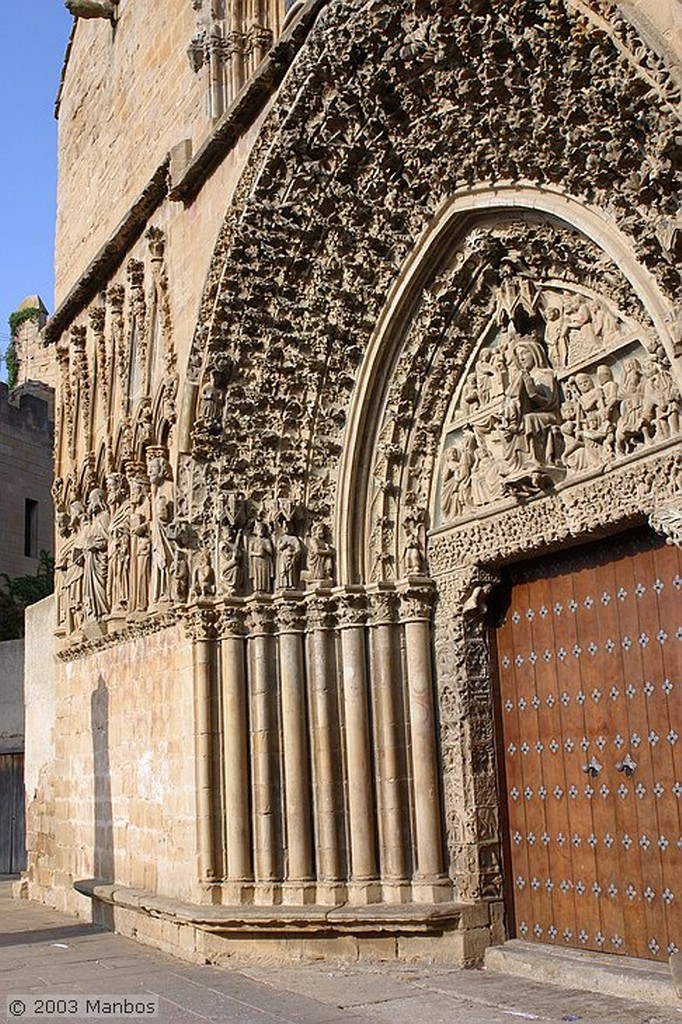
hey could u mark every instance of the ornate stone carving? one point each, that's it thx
(383, 607)
(351, 609)
(203, 583)
(668, 521)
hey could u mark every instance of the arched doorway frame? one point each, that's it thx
(464, 562)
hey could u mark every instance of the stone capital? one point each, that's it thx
(260, 616)
(290, 614)
(417, 596)
(351, 607)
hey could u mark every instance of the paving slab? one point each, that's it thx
(43, 952)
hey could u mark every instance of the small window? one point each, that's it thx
(31, 528)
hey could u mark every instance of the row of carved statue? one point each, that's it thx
(525, 428)
(123, 550)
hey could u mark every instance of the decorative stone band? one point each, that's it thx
(635, 491)
(351, 607)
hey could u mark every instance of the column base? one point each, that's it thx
(363, 893)
(332, 894)
(431, 890)
(238, 894)
(298, 894)
(398, 891)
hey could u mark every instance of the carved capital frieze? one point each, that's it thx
(260, 617)
(231, 619)
(201, 622)
(667, 520)
(417, 598)
(351, 608)
(382, 605)
(321, 612)
(290, 614)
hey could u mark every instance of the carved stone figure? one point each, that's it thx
(556, 333)
(531, 416)
(95, 557)
(73, 578)
(413, 552)
(458, 463)
(320, 556)
(212, 401)
(204, 576)
(180, 576)
(119, 544)
(634, 421)
(261, 558)
(661, 410)
(159, 473)
(92, 8)
(232, 561)
(63, 524)
(140, 542)
(289, 549)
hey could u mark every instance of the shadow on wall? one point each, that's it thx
(103, 860)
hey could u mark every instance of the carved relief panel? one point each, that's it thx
(581, 387)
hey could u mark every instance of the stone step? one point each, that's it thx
(643, 981)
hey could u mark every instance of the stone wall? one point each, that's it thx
(26, 472)
(11, 696)
(117, 800)
(39, 692)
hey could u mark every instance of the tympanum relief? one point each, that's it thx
(560, 385)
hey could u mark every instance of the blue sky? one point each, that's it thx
(35, 34)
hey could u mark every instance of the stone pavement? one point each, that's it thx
(46, 953)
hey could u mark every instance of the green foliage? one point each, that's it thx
(20, 591)
(16, 319)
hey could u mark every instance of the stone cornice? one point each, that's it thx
(110, 256)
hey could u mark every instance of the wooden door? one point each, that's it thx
(12, 814)
(590, 696)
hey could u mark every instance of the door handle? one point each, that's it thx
(592, 767)
(627, 766)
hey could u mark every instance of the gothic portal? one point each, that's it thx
(377, 329)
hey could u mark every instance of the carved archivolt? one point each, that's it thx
(343, 183)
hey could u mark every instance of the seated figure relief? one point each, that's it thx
(578, 389)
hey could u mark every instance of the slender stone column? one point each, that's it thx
(352, 617)
(389, 735)
(235, 743)
(200, 625)
(324, 734)
(299, 847)
(415, 612)
(263, 736)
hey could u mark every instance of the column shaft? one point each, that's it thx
(296, 771)
(424, 749)
(203, 733)
(236, 759)
(358, 759)
(263, 740)
(324, 732)
(386, 686)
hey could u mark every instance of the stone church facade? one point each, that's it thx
(368, 319)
